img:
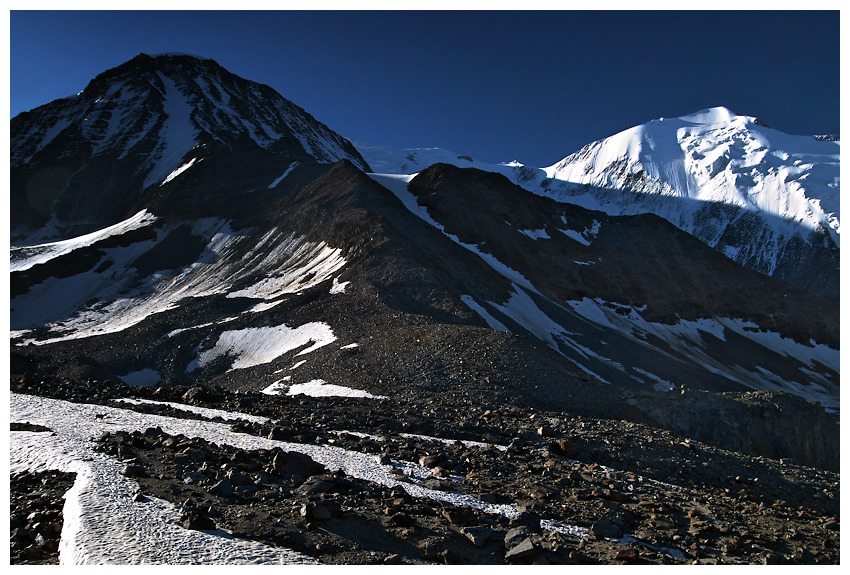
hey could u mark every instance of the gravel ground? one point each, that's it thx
(632, 493)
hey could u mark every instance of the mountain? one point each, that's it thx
(357, 318)
(82, 163)
(767, 200)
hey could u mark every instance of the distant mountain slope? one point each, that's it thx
(82, 162)
(765, 199)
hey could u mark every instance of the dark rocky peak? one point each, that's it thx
(84, 162)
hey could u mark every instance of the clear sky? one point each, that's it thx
(532, 86)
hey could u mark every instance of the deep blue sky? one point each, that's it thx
(531, 86)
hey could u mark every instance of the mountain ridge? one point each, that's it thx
(781, 220)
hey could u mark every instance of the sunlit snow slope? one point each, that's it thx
(766, 199)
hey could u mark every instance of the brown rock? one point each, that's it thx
(629, 555)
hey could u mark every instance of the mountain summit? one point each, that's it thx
(80, 163)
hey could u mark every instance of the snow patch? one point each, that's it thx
(143, 378)
(338, 287)
(258, 345)
(521, 308)
(105, 525)
(25, 257)
(178, 171)
(288, 171)
(263, 306)
(294, 266)
(492, 322)
(320, 388)
(278, 387)
(536, 234)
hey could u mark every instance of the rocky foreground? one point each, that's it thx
(588, 490)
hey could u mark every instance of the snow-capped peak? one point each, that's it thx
(717, 156)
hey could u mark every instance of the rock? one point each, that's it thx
(133, 470)
(223, 488)
(320, 510)
(294, 463)
(241, 427)
(195, 395)
(318, 484)
(629, 555)
(613, 495)
(522, 550)
(237, 478)
(604, 528)
(198, 455)
(440, 472)
(430, 461)
(478, 534)
(545, 430)
(528, 520)
(193, 477)
(430, 548)
(278, 434)
(459, 515)
(402, 519)
(194, 520)
(564, 447)
(448, 556)
(182, 459)
(434, 484)
(515, 535)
